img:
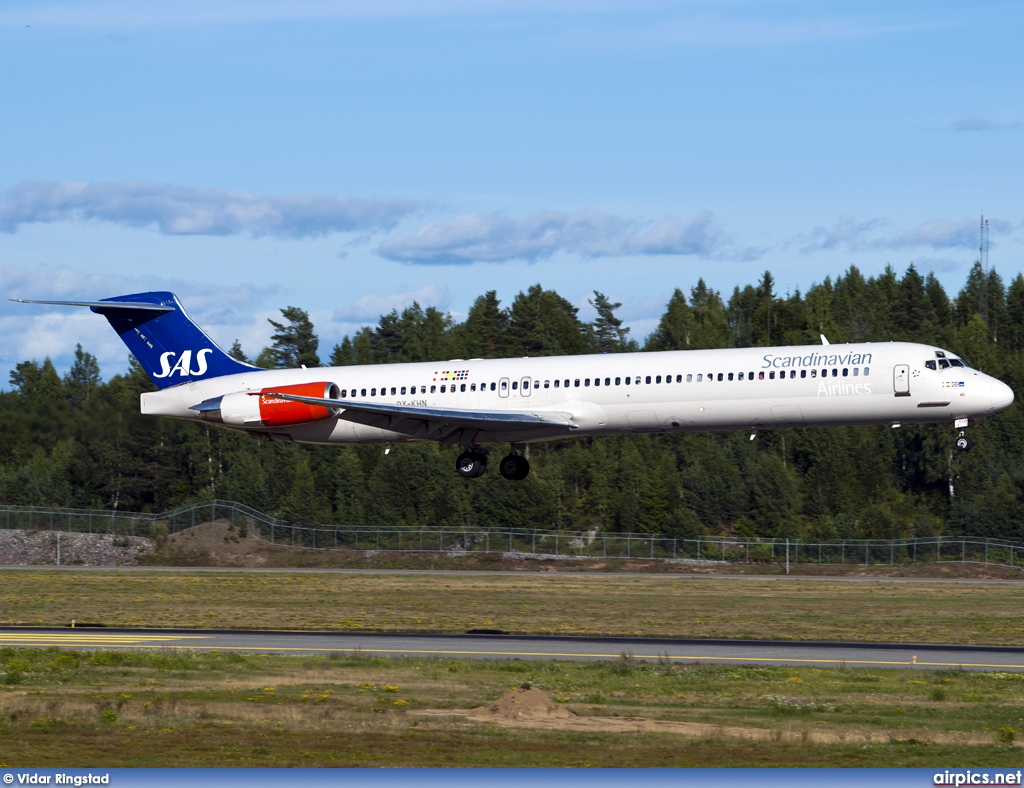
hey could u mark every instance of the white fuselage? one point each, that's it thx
(674, 391)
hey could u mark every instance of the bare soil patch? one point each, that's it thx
(532, 708)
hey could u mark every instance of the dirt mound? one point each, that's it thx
(524, 703)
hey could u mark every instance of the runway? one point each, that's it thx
(492, 646)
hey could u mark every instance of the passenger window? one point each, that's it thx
(472, 386)
(679, 378)
(658, 379)
(719, 375)
(403, 389)
(515, 385)
(760, 375)
(740, 376)
(556, 383)
(856, 371)
(803, 373)
(814, 373)
(618, 381)
(442, 389)
(637, 381)
(576, 383)
(772, 374)
(373, 392)
(566, 384)
(689, 378)
(607, 381)
(433, 389)
(750, 376)
(700, 377)
(835, 373)
(647, 379)
(867, 371)
(730, 376)
(627, 380)
(547, 384)
(492, 387)
(393, 391)
(363, 393)
(586, 382)
(462, 387)
(597, 381)
(845, 372)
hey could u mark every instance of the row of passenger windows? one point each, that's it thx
(699, 377)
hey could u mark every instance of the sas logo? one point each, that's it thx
(451, 374)
(952, 384)
(183, 365)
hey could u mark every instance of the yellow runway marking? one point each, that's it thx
(127, 641)
(55, 639)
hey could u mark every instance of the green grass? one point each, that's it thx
(66, 708)
(652, 606)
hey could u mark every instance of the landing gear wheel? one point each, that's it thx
(470, 465)
(963, 443)
(514, 467)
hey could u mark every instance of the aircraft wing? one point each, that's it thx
(436, 422)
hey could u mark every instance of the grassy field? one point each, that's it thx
(652, 606)
(65, 709)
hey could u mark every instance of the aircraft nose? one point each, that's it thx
(1002, 396)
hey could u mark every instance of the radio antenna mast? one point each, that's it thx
(983, 262)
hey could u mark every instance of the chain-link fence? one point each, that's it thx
(576, 544)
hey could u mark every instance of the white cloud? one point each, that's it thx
(475, 237)
(370, 306)
(980, 123)
(185, 210)
(863, 236)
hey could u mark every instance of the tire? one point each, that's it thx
(963, 443)
(470, 465)
(514, 467)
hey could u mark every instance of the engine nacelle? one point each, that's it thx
(256, 409)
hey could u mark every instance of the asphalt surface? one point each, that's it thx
(493, 646)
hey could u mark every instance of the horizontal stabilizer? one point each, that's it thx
(103, 305)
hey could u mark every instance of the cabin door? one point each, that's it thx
(901, 380)
(503, 387)
(525, 383)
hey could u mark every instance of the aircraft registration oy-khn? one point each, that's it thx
(518, 400)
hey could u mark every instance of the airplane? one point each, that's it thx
(474, 402)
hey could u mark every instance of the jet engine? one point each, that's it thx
(256, 409)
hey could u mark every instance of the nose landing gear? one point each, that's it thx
(963, 443)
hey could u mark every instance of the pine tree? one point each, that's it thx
(609, 336)
(295, 342)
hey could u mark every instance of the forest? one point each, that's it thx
(79, 441)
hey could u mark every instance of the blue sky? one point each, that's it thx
(349, 157)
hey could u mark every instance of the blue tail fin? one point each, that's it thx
(169, 346)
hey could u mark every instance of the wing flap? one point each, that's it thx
(410, 420)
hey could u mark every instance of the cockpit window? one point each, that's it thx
(930, 364)
(943, 364)
(957, 362)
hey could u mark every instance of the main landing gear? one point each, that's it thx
(472, 464)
